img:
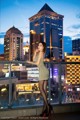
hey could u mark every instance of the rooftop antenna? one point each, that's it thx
(13, 22)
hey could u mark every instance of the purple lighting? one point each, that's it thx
(55, 72)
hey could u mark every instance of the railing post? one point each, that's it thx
(10, 86)
(60, 84)
(49, 84)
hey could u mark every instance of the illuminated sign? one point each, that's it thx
(33, 74)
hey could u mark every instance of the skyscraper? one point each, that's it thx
(26, 51)
(72, 71)
(13, 44)
(76, 46)
(47, 26)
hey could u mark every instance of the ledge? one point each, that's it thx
(36, 110)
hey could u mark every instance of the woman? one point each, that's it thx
(38, 59)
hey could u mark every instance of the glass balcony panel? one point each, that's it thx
(19, 86)
(70, 83)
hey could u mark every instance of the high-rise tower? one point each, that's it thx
(13, 44)
(47, 26)
(76, 46)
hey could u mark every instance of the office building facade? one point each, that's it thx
(26, 52)
(13, 44)
(76, 46)
(47, 26)
(72, 72)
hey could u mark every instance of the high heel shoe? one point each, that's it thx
(42, 114)
(48, 112)
(50, 107)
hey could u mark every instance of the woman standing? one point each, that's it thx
(38, 59)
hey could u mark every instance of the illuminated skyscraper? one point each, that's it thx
(72, 72)
(26, 52)
(76, 46)
(47, 26)
(13, 44)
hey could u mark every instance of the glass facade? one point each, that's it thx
(47, 27)
(76, 46)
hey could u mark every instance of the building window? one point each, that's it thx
(47, 22)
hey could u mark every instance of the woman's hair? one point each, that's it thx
(44, 45)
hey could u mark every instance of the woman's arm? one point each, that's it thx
(35, 53)
(38, 61)
(34, 56)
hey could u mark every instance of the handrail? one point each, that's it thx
(53, 62)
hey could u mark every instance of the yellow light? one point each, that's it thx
(32, 31)
(4, 89)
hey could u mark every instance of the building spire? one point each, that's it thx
(46, 7)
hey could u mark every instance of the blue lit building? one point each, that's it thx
(76, 46)
(47, 26)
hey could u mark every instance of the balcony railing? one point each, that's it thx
(19, 84)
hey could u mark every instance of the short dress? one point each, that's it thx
(43, 70)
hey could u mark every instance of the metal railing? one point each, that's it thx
(55, 80)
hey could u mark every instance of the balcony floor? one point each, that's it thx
(56, 116)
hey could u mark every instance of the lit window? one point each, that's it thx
(47, 22)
